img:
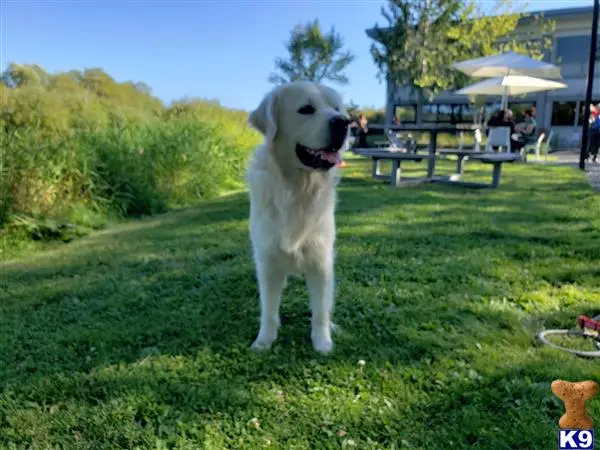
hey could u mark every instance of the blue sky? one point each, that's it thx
(220, 49)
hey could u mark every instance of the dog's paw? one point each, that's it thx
(262, 344)
(322, 342)
(323, 346)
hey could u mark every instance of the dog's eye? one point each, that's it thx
(307, 109)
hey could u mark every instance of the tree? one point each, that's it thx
(424, 38)
(313, 56)
(20, 75)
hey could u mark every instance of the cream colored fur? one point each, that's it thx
(292, 224)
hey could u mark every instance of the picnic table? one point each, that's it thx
(396, 157)
(494, 158)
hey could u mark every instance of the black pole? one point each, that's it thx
(590, 85)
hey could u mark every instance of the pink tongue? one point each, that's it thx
(332, 157)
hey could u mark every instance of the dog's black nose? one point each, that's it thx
(338, 126)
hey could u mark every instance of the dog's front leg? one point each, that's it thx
(271, 281)
(320, 283)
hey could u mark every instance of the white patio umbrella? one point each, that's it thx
(508, 63)
(510, 85)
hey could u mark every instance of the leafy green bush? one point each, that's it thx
(80, 146)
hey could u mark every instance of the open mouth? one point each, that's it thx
(322, 158)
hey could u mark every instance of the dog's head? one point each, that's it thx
(304, 123)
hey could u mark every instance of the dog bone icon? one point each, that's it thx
(574, 396)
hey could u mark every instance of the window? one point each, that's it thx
(406, 113)
(469, 113)
(446, 113)
(430, 113)
(547, 54)
(582, 110)
(572, 54)
(563, 113)
(441, 113)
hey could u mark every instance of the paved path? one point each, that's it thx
(593, 171)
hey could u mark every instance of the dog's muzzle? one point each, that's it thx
(321, 159)
(338, 129)
(327, 157)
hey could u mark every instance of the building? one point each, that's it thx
(560, 110)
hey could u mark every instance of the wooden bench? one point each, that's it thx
(494, 158)
(396, 157)
(380, 143)
(460, 154)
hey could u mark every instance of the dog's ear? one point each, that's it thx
(263, 117)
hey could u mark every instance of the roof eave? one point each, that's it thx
(585, 11)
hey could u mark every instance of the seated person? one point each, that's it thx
(502, 118)
(533, 109)
(363, 130)
(357, 124)
(497, 120)
(525, 130)
(509, 120)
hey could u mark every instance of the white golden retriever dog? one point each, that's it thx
(292, 180)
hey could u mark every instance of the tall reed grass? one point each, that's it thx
(82, 148)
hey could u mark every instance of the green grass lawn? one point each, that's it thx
(137, 336)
